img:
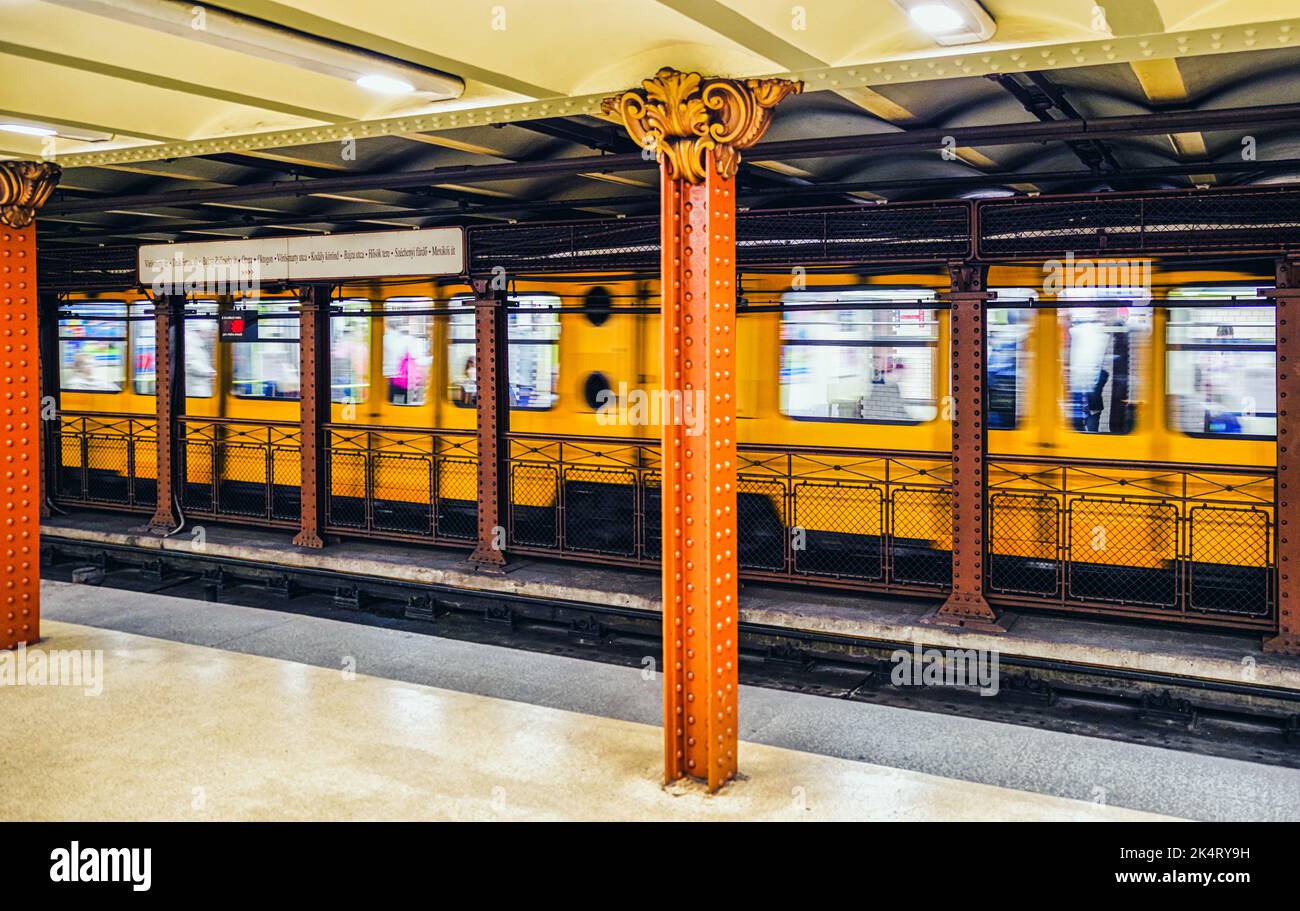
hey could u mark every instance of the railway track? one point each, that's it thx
(1232, 719)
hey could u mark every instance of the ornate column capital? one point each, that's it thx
(24, 187)
(682, 116)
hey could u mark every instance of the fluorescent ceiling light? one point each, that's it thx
(936, 18)
(385, 85)
(25, 129)
(950, 21)
(256, 38)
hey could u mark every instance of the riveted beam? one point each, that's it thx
(697, 236)
(314, 364)
(700, 588)
(24, 188)
(1286, 299)
(19, 449)
(966, 605)
(492, 416)
(169, 404)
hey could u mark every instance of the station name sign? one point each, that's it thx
(235, 266)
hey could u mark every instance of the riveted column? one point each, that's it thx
(314, 383)
(24, 188)
(966, 605)
(1286, 298)
(492, 418)
(51, 421)
(169, 403)
(697, 126)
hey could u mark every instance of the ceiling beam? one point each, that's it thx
(302, 21)
(153, 80)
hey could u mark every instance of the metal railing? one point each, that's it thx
(1168, 541)
(401, 483)
(105, 460)
(242, 470)
(845, 517)
(1154, 540)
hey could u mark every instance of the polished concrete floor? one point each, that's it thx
(183, 731)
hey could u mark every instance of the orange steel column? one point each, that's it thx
(169, 404)
(697, 127)
(314, 404)
(24, 187)
(966, 606)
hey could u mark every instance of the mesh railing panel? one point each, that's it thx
(403, 486)
(762, 524)
(249, 471)
(106, 460)
(1159, 538)
(1123, 552)
(902, 232)
(345, 506)
(1024, 544)
(456, 516)
(824, 514)
(535, 505)
(921, 546)
(600, 511)
(88, 268)
(1231, 551)
(399, 483)
(1232, 220)
(839, 530)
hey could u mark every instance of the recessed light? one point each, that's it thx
(950, 21)
(936, 18)
(27, 129)
(386, 85)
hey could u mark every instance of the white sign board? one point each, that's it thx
(226, 266)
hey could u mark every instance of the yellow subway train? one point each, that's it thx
(1131, 427)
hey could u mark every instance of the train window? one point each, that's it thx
(873, 364)
(534, 354)
(1103, 357)
(268, 368)
(200, 350)
(408, 349)
(1008, 327)
(92, 348)
(350, 352)
(1222, 372)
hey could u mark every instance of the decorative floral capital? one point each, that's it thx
(24, 187)
(682, 116)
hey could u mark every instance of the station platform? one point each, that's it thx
(179, 731)
(1195, 654)
(222, 711)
